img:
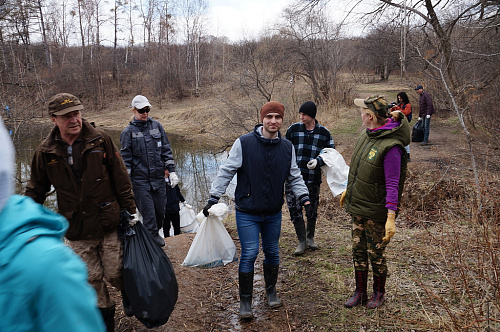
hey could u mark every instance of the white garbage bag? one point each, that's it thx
(188, 223)
(335, 170)
(212, 246)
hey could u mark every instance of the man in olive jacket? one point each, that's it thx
(92, 187)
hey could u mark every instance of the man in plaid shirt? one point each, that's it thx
(308, 138)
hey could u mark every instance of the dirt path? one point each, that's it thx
(208, 299)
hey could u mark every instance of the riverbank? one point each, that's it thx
(440, 274)
(426, 277)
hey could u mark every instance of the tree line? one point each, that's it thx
(162, 48)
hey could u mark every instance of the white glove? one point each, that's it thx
(188, 206)
(419, 118)
(428, 116)
(312, 164)
(174, 180)
(133, 219)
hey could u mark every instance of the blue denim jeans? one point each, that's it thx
(250, 228)
(427, 128)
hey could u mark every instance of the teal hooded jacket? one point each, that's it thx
(43, 283)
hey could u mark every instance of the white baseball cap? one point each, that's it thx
(140, 101)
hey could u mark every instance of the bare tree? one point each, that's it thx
(315, 48)
(44, 33)
(193, 13)
(378, 51)
(151, 12)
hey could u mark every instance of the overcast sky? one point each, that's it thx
(240, 19)
(244, 19)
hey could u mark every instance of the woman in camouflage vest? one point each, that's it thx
(375, 184)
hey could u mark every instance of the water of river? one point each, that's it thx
(196, 168)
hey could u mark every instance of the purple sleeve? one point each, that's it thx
(392, 171)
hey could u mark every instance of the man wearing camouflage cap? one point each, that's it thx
(92, 186)
(375, 184)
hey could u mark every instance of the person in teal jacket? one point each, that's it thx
(43, 283)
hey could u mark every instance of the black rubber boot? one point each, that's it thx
(108, 315)
(246, 290)
(359, 296)
(311, 227)
(127, 308)
(378, 296)
(300, 230)
(159, 240)
(271, 277)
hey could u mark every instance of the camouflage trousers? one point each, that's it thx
(367, 244)
(294, 206)
(104, 259)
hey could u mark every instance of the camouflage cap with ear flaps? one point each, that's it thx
(376, 103)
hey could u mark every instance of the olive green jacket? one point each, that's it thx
(366, 193)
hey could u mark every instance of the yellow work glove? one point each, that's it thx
(390, 227)
(342, 199)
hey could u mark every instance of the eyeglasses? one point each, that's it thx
(70, 155)
(144, 110)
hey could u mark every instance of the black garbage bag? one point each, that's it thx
(148, 278)
(417, 133)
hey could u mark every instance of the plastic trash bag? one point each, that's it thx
(189, 223)
(148, 278)
(417, 133)
(335, 170)
(212, 245)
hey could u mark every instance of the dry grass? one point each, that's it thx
(444, 260)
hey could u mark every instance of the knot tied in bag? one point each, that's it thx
(212, 245)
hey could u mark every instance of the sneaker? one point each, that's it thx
(423, 143)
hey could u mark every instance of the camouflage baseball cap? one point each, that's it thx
(63, 103)
(376, 103)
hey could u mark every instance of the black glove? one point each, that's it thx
(309, 210)
(206, 208)
(213, 200)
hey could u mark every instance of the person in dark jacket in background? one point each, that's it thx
(44, 283)
(425, 112)
(172, 208)
(92, 186)
(263, 161)
(308, 138)
(148, 157)
(375, 184)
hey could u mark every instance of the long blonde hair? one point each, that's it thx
(380, 120)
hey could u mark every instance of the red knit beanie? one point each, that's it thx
(272, 107)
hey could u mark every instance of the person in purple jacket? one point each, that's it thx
(426, 110)
(376, 178)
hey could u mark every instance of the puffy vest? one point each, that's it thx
(365, 196)
(265, 167)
